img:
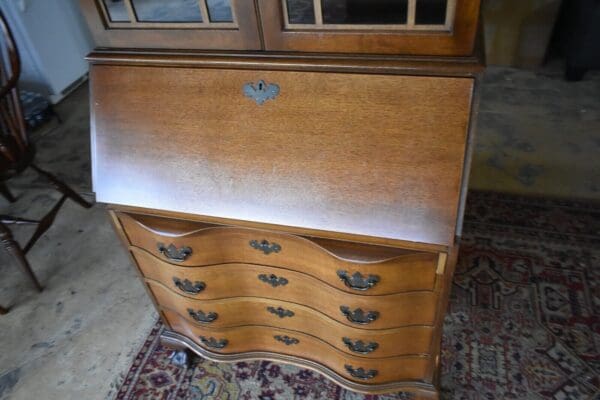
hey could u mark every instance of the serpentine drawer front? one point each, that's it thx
(353, 268)
(410, 340)
(237, 279)
(258, 339)
(414, 309)
(373, 155)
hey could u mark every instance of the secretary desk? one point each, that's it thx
(289, 176)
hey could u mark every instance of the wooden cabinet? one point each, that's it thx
(289, 176)
(418, 27)
(173, 24)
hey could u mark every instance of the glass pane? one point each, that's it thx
(167, 10)
(301, 11)
(431, 12)
(371, 12)
(219, 10)
(117, 11)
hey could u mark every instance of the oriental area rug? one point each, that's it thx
(523, 320)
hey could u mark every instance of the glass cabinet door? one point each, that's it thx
(176, 24)
(404, 15)
(414, 27)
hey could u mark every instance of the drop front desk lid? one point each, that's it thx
(367, 155)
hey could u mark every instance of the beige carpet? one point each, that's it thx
(538, 134)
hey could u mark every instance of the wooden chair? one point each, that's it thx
(17, 154)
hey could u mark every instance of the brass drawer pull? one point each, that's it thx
(288, 341)
(273, 280)
(359, 346)
(261, 91)
(280, 312)
(186, 286)
(361, 373)
(265, 246)
(358, 316)
(172, 253)
(357, 281)
(202, 317)
(214, 343)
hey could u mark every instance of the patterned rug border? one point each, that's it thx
(143, 353)
(570, 229)
(587, 204)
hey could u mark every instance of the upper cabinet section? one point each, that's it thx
(387, 27)
(408, 27)
(174, 24)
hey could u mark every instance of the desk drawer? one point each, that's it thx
(353, 268)
(416, 309)
(413, 340)
(273, 340)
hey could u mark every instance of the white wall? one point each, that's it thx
(52, 39)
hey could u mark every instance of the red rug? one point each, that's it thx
(523, 323)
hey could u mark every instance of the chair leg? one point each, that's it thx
(44, 224)
(3, 310)
(61, 187)
(13, 248)
(6, 193)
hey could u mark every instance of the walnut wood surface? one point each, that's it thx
(241, 279)
(408, 309)
(420, 389)
(221, 245)
(468, 67)
(145, 230)
(245, 37)
(443, 300)
(177, 227)
(389, 165)
(459, 41)
(407, 341)
(392, 342)
(367, 243)
(253, 339)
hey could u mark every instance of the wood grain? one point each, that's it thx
(420, 388)
(407, 341)
(468, 67)
(299, 161)
(246, 339)
(368, 243)
(409, 309)
(242, 279)
(401, 272)
(246, 278)
(144, 230)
